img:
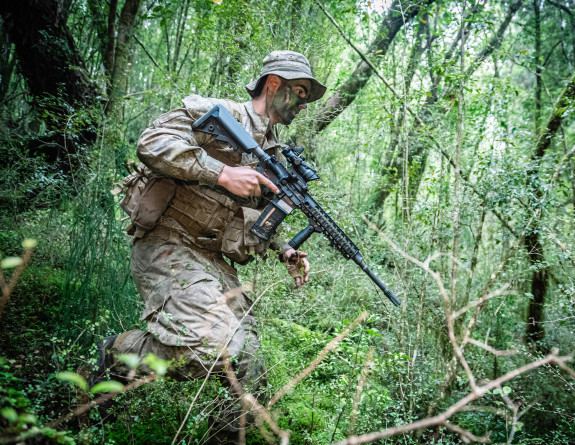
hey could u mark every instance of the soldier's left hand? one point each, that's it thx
(297, 266)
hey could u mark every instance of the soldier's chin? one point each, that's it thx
(288, 118)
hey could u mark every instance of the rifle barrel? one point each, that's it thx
(388, 293)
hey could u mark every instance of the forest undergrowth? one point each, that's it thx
(54, 330)
(445, 147)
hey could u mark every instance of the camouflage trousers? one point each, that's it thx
(194, 309)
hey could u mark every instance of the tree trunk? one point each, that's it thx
(535, 331)
(109, 47)
(345, 95)
(419, 148)
(181, 25)
(55, 75)
(119, 78)
(7, 64)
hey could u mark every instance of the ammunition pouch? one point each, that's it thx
(238, 243)
(145, 201)
(216, 222)
(211, 220)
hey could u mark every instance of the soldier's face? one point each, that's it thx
(290, 99)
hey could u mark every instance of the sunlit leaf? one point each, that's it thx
(157, 364)
(74, 378)
(29, 243)
(131, 360)
(110, 386)
(27, 418)
(9, 414)
(11, 262)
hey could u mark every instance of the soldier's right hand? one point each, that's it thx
(244, 181)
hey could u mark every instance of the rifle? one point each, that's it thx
(293, 188)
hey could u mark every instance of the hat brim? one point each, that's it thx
(317, 89)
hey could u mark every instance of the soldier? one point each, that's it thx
(191, 203)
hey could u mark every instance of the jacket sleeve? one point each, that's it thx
(171, 148)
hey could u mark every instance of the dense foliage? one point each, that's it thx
(448, 158)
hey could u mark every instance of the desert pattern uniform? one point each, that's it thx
(194, 305)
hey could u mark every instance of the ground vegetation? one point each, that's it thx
(445, 145)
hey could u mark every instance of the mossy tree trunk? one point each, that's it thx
(55, 75)
(535, 332)
(390, 26)
(118, 57)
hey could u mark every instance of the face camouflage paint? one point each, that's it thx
(290, 99)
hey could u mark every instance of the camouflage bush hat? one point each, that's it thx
(289, 65)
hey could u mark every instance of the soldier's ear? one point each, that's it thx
(274, 82)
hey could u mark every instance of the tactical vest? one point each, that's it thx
(193, 214)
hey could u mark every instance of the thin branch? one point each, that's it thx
(249, 399)
(442, 291)
(442, 418)
(498, 292)
(227, 294)
(567, 369)
(102, 399)
(467, 436)
(487, 409)
(492, 350)
(8, 287)
(329, 347)
(362, 380)
(560, 6)
(363, 57)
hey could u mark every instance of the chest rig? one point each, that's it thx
(211, 219)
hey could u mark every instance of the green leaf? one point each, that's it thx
(506, 390)
(72, 377)
(132, 360)
(156, 363)
(29, 243)
(9, 414)
(10, 262)
(27, 418)
(110, 386)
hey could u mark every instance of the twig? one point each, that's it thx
(566, 368)
(499, 269)
(249, 399)
(329, 347)
(103, 398)
(363, 57)
(227, 294)
(487, 409)
(492, 350)
(242, 435)
(498, 292)
(7, 288)
(444, 295)
(362, 380)
(442, 418)
(467, 436)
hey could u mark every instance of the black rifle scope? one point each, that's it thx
(292, 154)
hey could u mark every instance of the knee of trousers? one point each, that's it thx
(185, 362)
